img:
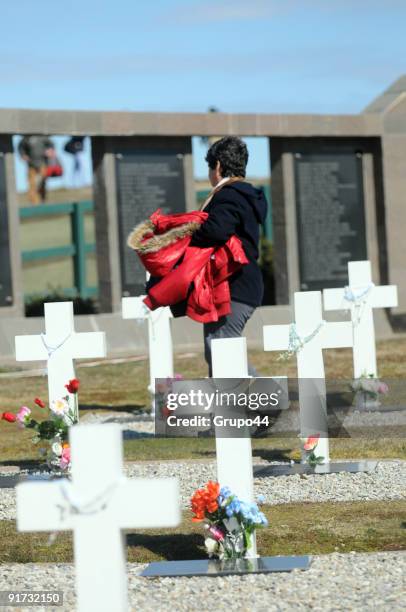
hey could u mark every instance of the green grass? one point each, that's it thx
(123, 387)
(293, 529)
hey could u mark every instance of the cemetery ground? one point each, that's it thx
(352, 524)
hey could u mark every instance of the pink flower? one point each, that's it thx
(383, 388)
(22, 415)
(65, 457)
(311, 443)
(216, 533)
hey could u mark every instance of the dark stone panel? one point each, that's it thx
(330, 215)
(6, 298)
(280, 251)
(146, 180)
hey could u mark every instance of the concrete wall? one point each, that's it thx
(89, 123)
(394, 168)
(16, 308)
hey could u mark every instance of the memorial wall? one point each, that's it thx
(145, 182)
(330, 216)
(133, 178)
(337, 188)
(328, 209)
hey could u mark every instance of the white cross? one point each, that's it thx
(234, 455)
(316, 335)
(98, 505)
(59, 346)
(159, 337)
(360, 297)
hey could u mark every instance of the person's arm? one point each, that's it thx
(220, 225)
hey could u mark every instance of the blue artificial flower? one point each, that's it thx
(246, 511)
(234, 507)
(224, 494)
(261, 499)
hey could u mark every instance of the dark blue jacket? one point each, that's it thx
(238, 208)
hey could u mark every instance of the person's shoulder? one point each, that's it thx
(226, 194)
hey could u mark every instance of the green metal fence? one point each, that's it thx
(78, 249)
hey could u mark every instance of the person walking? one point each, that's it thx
(235, 207)
(36, 150)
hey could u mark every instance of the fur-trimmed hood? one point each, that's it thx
(143, 239)
(160, 231)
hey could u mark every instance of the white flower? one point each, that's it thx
(57, 449)
(211, 546)
(59, 407)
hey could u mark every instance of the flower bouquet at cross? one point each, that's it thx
(309, 447)
(229, 521)
(62, 414)
(367, 390)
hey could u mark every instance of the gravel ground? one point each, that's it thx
(356, 582)
(387, 482)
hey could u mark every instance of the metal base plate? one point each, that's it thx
(302, 468)
(214, 567)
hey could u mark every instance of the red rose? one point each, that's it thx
(166, 412)
(73, 385)
(9, 416)
(39, 402)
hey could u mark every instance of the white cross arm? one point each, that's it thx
(337, 335)
(88, 344)
(53, 514)
(276, 337)
(158, 494)
(385, 296)
(39, 507)
(30, 348)
(81, 346)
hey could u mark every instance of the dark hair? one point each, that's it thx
(232, 153)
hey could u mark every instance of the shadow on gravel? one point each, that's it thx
(274, 454)
(171, 547)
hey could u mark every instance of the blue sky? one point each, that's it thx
(296, 56)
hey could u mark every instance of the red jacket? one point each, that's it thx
(162, 241)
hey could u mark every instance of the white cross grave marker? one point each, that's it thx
(160, 347)
(97, 505)
(234, 455)
(59, 346)
(307, 337)
(360, 297)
